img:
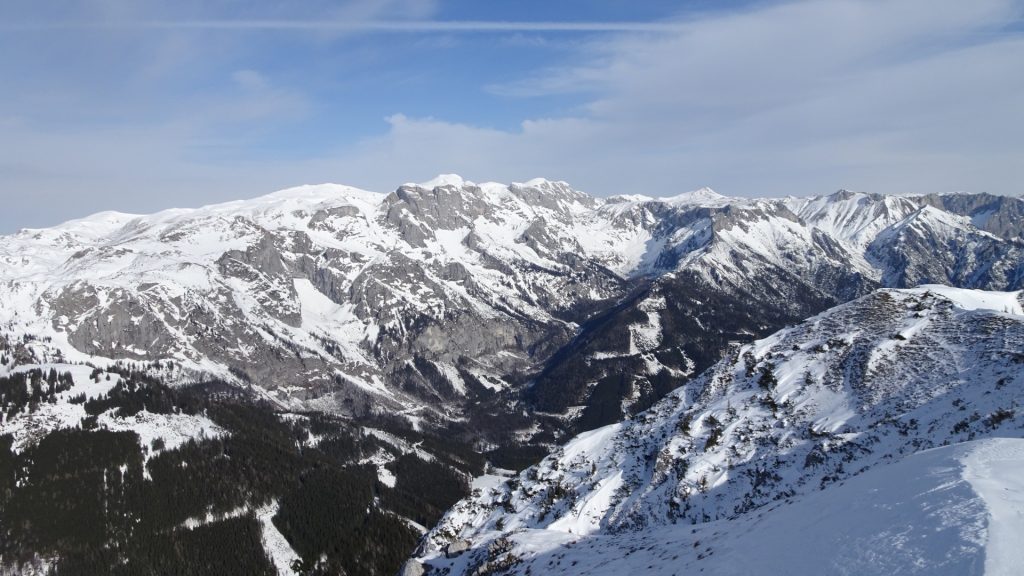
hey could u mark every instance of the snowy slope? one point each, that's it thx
(786, 419)
(853, 217)
(949, 510)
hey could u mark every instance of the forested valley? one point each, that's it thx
(88, 500)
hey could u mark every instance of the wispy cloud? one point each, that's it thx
(796, 98)
(390, 26)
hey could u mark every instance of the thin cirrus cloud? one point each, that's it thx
(411, 26)
(765, 99)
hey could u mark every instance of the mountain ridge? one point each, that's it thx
(443, 293)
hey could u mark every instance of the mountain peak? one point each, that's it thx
(702, 196)
(543, 183)
(443, 180)
(844, 194)
(104, 218)
(699, 196)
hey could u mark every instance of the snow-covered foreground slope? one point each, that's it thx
(780, 437)
(956, 510)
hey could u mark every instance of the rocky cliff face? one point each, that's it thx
(451, 294)
(998, 215)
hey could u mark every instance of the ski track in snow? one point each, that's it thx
(277, 547)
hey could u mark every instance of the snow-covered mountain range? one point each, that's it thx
(404, 338)
(851, 443)
(438, 295)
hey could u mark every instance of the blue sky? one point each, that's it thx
(141, 105)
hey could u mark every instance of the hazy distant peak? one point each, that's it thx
(443, 180)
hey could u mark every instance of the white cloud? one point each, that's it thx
(806, 97)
